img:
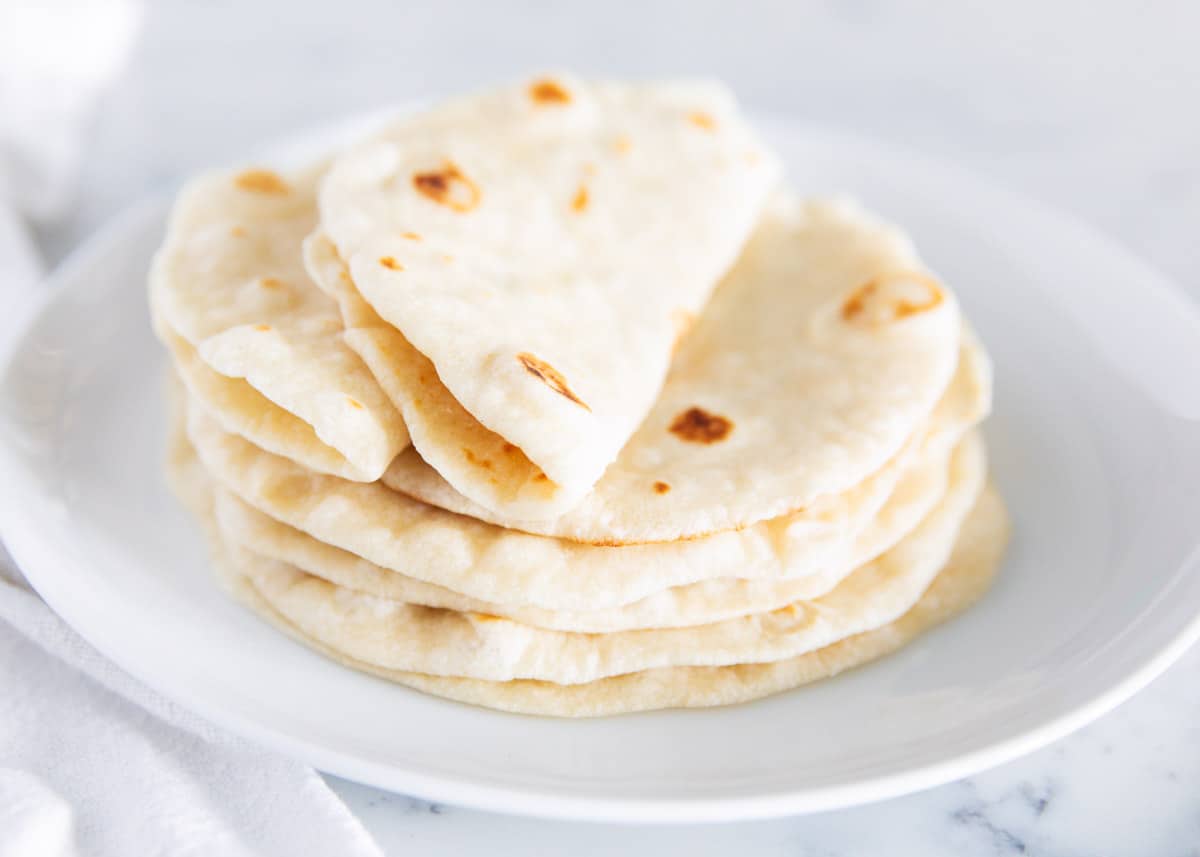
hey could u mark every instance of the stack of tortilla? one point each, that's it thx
(554, 399)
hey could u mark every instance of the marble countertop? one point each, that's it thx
(1089, 107)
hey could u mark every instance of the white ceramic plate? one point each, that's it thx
(1095, 444)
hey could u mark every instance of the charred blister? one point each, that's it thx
(891, 297)
(448, 186)
(547, 91)
(472, 458)
(549, 376)
(696, 425)
(579, 202)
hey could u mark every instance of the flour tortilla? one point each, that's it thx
(542, 245)
(963, 580)
(919, 491)
(184, 473)
(242, 409)
(402, 636)
(435, 420)
(255, 339)
(228, 520)
(814, 362)
(502, 566)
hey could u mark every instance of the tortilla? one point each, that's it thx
(403, 636)
(547, 400)
(963, 580)
(542, 246)
(920, 489)
(496, 565)
(815, 361)
(254, 338)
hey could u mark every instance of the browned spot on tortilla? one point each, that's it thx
(411, 236)
(856, 304)
(271, 283)
(344, 278)
(702, 120)
(262, 327)
(696, 425)
(547, 91)
(448, 186)
(485, 463)
(623, 144)
(580, 202)
(390, 263)
(541, 477)
(661, 487)
(261, 181)
(550, 376)
(486, 617)
(354, 403)
(880, 300)
(237, 232)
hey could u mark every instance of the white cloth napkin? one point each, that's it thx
(92, 762)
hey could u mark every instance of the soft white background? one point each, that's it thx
(1092, 107)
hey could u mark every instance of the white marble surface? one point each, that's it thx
(1094, 108)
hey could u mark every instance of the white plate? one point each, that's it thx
(1095, 444)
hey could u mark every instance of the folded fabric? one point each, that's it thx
(94, 763)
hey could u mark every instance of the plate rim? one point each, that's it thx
(33, 558)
